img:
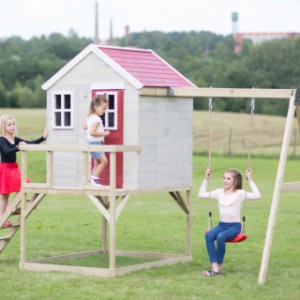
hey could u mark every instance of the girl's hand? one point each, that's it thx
(20, 145)
(106, 133)
(248, 174)
(208, 173)
(45, 135)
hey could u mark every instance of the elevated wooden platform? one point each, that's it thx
(110, 202)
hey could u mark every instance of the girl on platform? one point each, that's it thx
(230, 199)
(10, 174)
(96, 134)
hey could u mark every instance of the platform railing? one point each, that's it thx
(112, 150)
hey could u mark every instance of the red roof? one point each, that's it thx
(147, 67)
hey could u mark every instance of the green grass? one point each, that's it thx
(66, 224)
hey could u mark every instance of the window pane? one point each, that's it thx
(67, 101)
(103, 120)
(57, 101)
(111, 119)
(111, 101)
(57, 119)
(67, 116)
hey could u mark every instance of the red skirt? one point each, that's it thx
(10, 178)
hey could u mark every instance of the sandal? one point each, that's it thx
(7, 224)
(210, 273)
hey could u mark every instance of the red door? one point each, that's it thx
(113, 121)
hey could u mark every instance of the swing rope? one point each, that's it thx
(252, 108)
(242, 236)
(210, 108)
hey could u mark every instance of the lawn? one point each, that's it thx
(65, 224)
(71, 224)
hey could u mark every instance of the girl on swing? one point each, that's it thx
(230, 199)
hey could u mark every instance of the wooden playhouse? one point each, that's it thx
(149, 149)
(162, 127)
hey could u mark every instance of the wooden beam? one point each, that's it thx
(38, 198)
(290, 187)
(189, 223)
(177, 197)
(104, 201)
(298, 114)
(276, 192)
(100, 207)
(121, 206)
(112, 202)
(219, 92)
(79, 148)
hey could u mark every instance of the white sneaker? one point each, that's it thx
(94, 181)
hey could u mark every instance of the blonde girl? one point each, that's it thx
(10, 174)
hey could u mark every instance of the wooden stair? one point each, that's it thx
(11, 230)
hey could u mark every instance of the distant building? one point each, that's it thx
(255, 37)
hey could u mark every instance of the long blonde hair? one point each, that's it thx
(3, 120)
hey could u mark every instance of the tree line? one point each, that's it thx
(207, 59)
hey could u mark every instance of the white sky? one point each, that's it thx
(28, 18)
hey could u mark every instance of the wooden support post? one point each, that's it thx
(112, 201)
(104, 235)
(189, 223)
(85, 164)
(276, 193)
(49, 168)
(23, 229)
(23, 208)
(298, 113)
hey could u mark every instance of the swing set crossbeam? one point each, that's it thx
(219, 92)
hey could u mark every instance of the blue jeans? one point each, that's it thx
(216, 240)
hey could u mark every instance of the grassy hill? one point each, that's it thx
(230, 131)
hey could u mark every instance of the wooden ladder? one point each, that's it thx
(11, 230)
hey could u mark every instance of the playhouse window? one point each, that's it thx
(63, 110)
(111, 114)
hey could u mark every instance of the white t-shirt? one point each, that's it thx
(230, 205)
(91, 120)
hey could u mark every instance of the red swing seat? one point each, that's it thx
(239, 238)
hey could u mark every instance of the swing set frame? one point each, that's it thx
(293, 107)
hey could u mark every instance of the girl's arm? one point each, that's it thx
(202, 191)
(6, 149)
(36, 141)
(254, 194)
(93, 130)
(204, 194)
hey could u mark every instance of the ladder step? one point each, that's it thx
(4, 238)
(14, 225)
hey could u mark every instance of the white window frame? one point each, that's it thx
(63, 110)
(115, 110)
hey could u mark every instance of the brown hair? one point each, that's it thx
(97, 100)
(237, 177)
(3, 120)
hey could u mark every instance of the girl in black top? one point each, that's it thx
(10, 174)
